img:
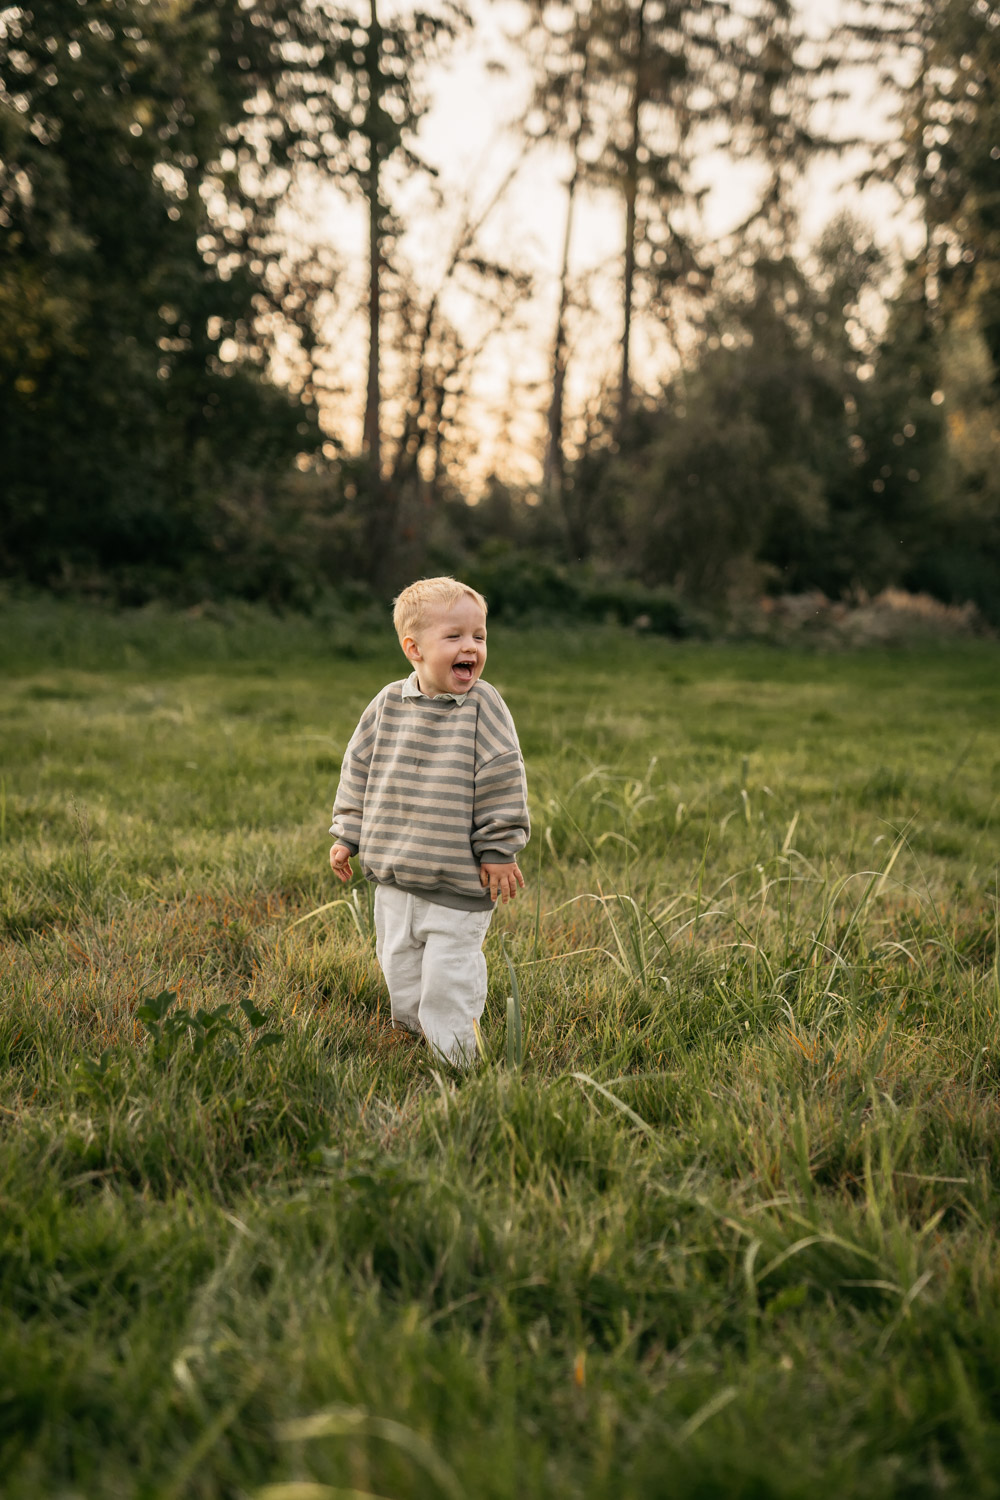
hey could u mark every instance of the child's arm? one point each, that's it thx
(348, 805)
(500, 813)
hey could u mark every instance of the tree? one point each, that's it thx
(357, 78)
(771, 460)
(132, 380)
(942, 59)
(634, 90)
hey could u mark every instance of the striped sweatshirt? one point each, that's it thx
(431, 787)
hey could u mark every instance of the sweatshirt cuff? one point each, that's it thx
(346, 843)
(496, 857)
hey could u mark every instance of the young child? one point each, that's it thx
(432, 796)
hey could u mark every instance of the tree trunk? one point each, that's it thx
(372, 434)
(381, 527)
(554, 471)
(372, 438)
(631, 195)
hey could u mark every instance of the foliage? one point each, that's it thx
(735, 1213)
(638, 91)
(211, 1031)
(129, 369)
(958, 134)
(361, 99)
(149, 293)
(519, 585)
(947, 153)
(944, 332)
(762, 462)
(961, 556)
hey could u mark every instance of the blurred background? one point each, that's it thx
(628, 308)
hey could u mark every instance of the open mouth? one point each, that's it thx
(464, 670)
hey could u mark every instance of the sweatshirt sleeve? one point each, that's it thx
(348, 805)
(500, 823)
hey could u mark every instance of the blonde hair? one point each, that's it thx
(410, 608)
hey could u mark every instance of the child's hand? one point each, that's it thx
(502, 879)
(340, 862)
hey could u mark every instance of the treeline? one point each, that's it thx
(167, 424)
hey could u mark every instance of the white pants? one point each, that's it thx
(432, 959)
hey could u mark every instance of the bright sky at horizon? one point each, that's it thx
(469, 136)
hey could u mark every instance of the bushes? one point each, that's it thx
(519, 583)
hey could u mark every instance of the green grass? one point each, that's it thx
(731, 1228)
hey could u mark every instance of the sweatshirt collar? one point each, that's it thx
(411, 689)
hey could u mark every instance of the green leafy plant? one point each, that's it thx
(94, 1076)
(209, 1029)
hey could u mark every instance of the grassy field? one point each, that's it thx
(731, 1228)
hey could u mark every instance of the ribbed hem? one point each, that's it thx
(452, 899)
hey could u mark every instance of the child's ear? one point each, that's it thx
(410, 648)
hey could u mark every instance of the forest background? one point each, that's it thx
(196, 401)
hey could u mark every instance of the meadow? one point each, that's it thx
(717, 1212)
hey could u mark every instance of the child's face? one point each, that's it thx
(448, 647)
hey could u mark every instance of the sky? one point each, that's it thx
(469, 136)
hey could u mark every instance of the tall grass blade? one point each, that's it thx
(311, 1489)
(355, 1421)
(711, 1408)
(619, 1104)
(787, 841)
(515, 1037)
